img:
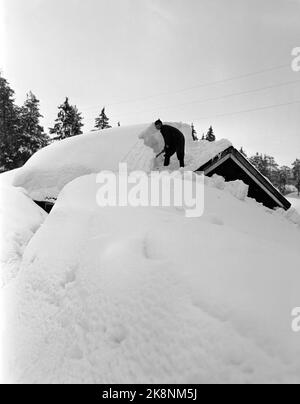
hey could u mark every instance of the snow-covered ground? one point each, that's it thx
(20, 218)
(146, 295)
(295, 201)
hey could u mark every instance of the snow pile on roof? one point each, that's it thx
(51, 168)
(20, 218)
(145, 295)
(197, 153)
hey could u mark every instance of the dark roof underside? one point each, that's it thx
(233, 166)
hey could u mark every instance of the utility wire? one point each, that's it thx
(214, 98)
(201, 85)
(250, 110)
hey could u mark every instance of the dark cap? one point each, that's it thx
(158, 122)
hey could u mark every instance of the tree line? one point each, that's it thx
(21, 134)
(282, 177)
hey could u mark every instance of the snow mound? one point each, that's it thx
(7, 178)
(295, 201)
(292, 215)
(20, 218)
(145, 295)
(236, 188)
(51, 168)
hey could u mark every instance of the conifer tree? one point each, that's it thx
(260, 163)
(267, 166)
(210, 135)
(102, 122)
(68, 122)
(296, 169)
(32, 136)
(9, 127)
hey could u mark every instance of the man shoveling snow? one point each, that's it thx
(174, 142)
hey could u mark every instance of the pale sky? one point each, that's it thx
(135, 57)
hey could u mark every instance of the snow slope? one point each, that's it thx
(295, 201)
(51, 168)
(7, 178)
(20, 218)
(145, 295)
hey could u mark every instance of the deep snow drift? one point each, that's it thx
(144, 295)
(295, 201)
(127, 295)
(20, 218)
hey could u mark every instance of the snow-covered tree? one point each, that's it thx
(210, 135)
(9, 127)
(273, 170)
(267, 166)
(102, 122)
(298, 186)
(20, 132)
(32, 136)
(259, 163)
(286, 174)
(68, 122)
(296, 169)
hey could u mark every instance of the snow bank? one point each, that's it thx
(236, 188)
(295, 201)
(7, 178)
(20, 217)
(145, 295)
(51, 168)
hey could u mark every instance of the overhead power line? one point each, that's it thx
(200, 85)
(250, 110)
(203, 101)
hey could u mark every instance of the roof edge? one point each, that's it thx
(244, 161)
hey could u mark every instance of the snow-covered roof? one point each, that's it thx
(51, 168)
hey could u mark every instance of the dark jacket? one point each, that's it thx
(173, 138)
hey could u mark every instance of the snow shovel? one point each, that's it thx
(160, 154)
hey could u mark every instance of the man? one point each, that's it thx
(174, 142)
